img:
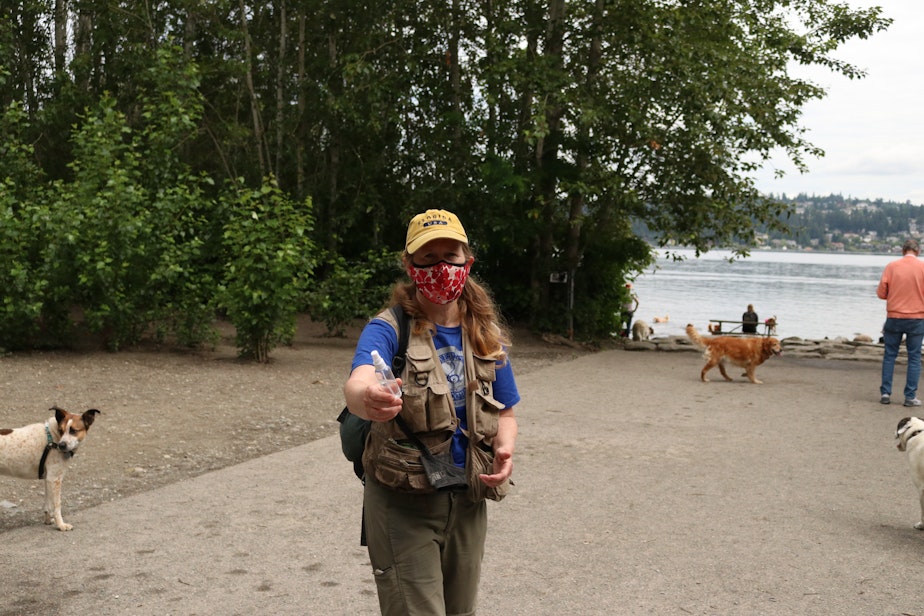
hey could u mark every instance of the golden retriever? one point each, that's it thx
(641, 331)
(747, 352)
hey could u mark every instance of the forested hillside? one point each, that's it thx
(835, 222)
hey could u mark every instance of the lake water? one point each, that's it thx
(812, 295)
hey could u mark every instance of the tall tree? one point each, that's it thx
(552, 127)
(652, 112)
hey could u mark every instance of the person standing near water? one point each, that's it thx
(629, 307)
(902, 286)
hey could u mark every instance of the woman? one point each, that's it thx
(459, 394)
(629, 307)
(749, 320)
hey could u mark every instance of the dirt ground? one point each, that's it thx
(167, 415)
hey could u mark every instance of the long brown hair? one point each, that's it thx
(478, 313)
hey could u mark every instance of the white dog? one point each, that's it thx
(42, 451)
(641, 331)
(907, 433)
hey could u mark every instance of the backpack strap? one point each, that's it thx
(404, 333)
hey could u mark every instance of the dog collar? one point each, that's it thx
(51, 444)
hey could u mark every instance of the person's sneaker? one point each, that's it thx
(885, 399)
(914, 402)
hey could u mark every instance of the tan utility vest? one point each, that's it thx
(393, 460)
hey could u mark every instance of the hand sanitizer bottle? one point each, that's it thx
(384, 374)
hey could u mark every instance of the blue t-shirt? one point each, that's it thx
(381, 336)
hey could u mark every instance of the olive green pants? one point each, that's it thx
(425, 550)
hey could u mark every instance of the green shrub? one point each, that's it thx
(22, 281)
(352, 290)
(267, 264)
(23, 220)
(183, 281)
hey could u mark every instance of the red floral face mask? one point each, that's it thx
(441, 282)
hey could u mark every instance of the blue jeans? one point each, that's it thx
(892, 331)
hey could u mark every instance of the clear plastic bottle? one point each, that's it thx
(384, 374)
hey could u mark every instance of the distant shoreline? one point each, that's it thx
(871, 253)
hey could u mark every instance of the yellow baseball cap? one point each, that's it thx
(432, 225)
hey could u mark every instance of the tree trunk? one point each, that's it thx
(280, 89)
(334, 147)
(27, 61)
(60, 36)
(573, 248)
(258, 131)
(299, 142)
(83, 33)
(455, 83)
(546, 160)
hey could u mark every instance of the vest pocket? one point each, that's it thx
(481, 461)
(488, 412)
(427, 410)
(427, 403)
(485, 368)
(398, 466)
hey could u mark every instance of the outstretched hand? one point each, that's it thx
(380, 404)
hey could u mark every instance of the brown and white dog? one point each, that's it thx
(42, 451)
(745, 351)
(907, 433)
(771, 325)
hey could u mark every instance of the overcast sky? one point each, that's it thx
(872, 129)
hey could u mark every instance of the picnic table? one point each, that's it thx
(723, 327)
